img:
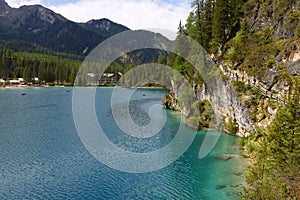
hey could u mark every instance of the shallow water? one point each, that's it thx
(42, 156)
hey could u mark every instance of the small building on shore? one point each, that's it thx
(98, 79)
(2, 82)
(14, 82)
(109, 78)
(19, 81)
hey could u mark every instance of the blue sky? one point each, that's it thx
(136, 14)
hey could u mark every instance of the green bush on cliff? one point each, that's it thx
(231, 126)
(274, 173)
(201, 114)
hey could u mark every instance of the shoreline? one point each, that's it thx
(29, 87)
(62, 86)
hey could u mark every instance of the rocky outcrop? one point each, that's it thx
(293, 62)
(224, 101)
(169, 101)
(229, 107)
(271, 87)
(265, 16)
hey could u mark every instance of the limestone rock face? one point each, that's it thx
(265, 15)
(224, 102)
(228, 105)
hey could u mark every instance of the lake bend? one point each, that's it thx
(43, 157)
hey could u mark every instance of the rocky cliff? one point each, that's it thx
(264, 55)
(260, 65)
(225, 103)
(230, 107)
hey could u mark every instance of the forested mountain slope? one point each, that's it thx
(258, 43)
(41, 26)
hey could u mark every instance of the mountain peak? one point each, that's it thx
(3, 5)
(104, 26)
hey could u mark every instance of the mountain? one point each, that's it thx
(104, 27)
(43, 27)
(3, 5)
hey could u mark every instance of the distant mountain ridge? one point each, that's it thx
(41, 26)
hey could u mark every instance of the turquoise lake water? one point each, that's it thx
(42, 156)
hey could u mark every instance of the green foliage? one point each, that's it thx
(207, 23)
(162, 59)
(190, 27)
(282, 7)
(186, 69)
(31, 65)
(241, 88)
(231, 126)
(211, 22)
(274, 173)
(253, 53)
(178, 64)
(201, 114)
(235, 53)
(269, 32)
(22, 46)
(226, 17)
(219, 22)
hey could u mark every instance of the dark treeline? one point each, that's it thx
(28, 61)
(22, 46)
(47, 68)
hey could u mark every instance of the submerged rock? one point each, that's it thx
(234, 185)
(221, 186)
(224, 157)
(238, 173)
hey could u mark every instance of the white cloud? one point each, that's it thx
(18, 3)
(136, 14)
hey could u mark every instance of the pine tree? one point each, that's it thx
(207, 23)
(219, 22)
(178, 64)
(199, 6)
(275, 171)
(191, 28)
(180, 28)
(27, 74)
